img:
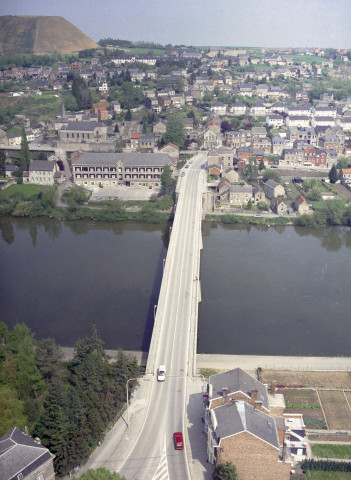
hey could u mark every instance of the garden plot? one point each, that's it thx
(305, 401)
(336, 409)
(315, 379)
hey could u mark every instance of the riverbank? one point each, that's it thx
(248, 363)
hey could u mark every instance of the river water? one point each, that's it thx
(274, 291)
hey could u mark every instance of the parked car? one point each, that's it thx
(178, 440)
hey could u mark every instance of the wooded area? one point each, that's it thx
(68, 405)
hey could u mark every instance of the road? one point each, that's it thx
(173, 343)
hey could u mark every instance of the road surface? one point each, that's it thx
(173, 345)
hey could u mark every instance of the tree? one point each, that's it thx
(225, 471)
(2, 164)
(270, 174)
(261, 165)
(128, 116)
(49, 196)
(166, 177)
(25, 153)
(226, 126)
(49, 357)
(342, 163)
(175, 131)
(251, 170)
(76, 193)
(333, 174)
(53, 426)
(11, 410)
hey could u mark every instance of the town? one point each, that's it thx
(271, 129)
(252, 110)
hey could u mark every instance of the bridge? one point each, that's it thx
(173, 341)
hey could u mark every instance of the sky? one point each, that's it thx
(250, 23)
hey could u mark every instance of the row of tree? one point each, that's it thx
(68, 405)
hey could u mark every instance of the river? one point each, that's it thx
(267, 291)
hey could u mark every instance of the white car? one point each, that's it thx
(161, 374)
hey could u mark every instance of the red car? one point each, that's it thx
(178, 441)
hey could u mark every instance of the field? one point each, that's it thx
(336, 409)
(47, 105)
(307, 403)
(27, 192)
(318, 379)
(331, 475)
(335, 404)
(332, 451)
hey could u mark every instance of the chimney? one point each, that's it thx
(254, 394)
(284, 453)
(273, 387)
(225, 395)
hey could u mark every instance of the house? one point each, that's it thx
(14, 139)
(130, 169)
(324, 112)
(236, 384)
(171, 150)
(116, 106)
(231, 175)
(41, 172)
(323, 121)
(102, 113)
(298, 121)
(10, 170)
(279, 144)
(238, 108)
(301, 206)
(259, 132)
(225, 157)
(214, 170)
(134, 140)
(83, 132)
(258, 109)
(240, 195)
(258, 196)
(279, 206)
(212, 138)
(248, 438)
(345, 177)
(219, 108)
(159, 128)
(262, 143)
(273, 189)
(23, 458)
(147, 142)
(275, 120)
(240, 428)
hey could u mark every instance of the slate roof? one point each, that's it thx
(157, 159)
(236, 417)
(83, 126)
(41, 166)
(237, 380)
(19, 453)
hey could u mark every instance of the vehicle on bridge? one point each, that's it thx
(178, 440)
(161, 375)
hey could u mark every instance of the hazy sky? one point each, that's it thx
(280, 23)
